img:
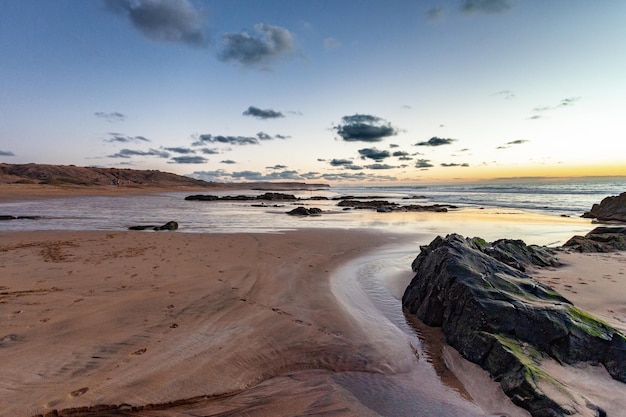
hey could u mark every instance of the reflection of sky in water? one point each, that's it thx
(117, 213)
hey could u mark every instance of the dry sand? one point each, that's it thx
(594, 282)
(144, 318)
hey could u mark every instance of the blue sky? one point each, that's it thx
(342, 91)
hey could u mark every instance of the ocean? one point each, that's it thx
(539, 212)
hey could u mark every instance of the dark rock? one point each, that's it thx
(303, 211)
(201, 197)
(610, 209)
(371, 204)
(505, 321)
(276, 196)
(8, 217)
(415, 197)
(171, 225)
(601, 239)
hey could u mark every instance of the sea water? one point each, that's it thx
(541, 213)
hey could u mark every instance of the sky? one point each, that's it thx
(346, 91)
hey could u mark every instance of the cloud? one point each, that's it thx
(511, 143)
(485, 6)
(179, 149)
(6, 153)
(435, 141)
(454, 165)
(281, 137)
(127, 153)
(209, 151)
(423, 163)
(217, 175)
(330, 44)
(379, 166)
(263, 136)
(506, 94)
(277, 166)
(340, 162)
(120, 138)
(400, 153)
(111, 117)
(364, 128)
(226, 140)
(262, 113)
(566, 102)
(176, 21)
(535, 117)
(270, 43)
(373, 153)
(189, 159)
(228, 162)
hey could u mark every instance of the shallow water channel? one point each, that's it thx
(419, 374)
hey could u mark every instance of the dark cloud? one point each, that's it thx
(111, 117)
(405, 158)
(352, 167)
(393, 145)
(175, 21)
(120, 138)
(373, 153)
(228, 161)
(364, 128)
(225, 140)
(340, 162)
(380, 166)
(435, 141)
(281, 137)
(262, 113)
(127, 153)
(485, 6)
(423, 163)
(179, 149)
(189, 159)
(454, 165)
(400, 153)
(269, 43)
(6, 153)
(209, 151)
(263, 136)
(535, 117)
(277, 166)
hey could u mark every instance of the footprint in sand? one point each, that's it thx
(79, 392)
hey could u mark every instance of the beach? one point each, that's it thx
(117, 322)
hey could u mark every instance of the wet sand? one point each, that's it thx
(213, 321)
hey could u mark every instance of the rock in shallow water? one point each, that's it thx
(502, 319)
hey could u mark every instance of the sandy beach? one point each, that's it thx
(115, 323)
(150, 318)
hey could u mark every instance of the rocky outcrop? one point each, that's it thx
(171, 225)
(384, 206)
(269, 196)
(502, 319)
(8, 217)
(304, 211)
(601, 239)
(610, 209)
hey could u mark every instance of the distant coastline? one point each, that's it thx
(42, 180)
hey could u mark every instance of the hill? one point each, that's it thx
(71, 175)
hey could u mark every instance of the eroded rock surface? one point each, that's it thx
(610, 209)
(502, 319)
(600, 239)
